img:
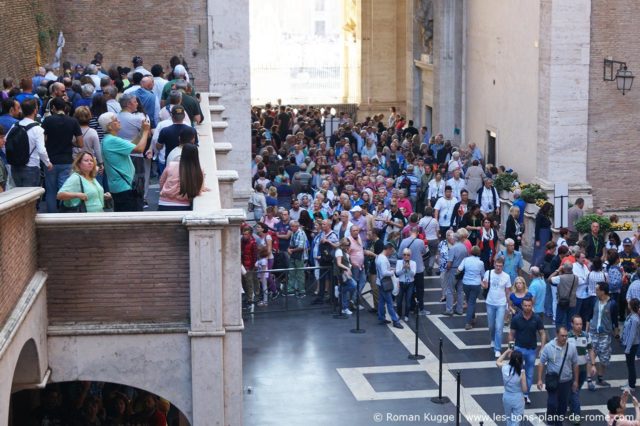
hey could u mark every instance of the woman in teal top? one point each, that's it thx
(82, 185)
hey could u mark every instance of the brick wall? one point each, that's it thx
(613, 119)
(138, 273)
(19, 35)
(120, 30)
(17, 256)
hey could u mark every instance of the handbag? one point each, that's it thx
(552, 380)
(387, 283)
(459, 274)
(565, 302)
(137, 188)
(80, 208)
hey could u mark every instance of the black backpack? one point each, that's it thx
(17, 145)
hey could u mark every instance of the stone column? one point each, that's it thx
(233, 324)
(207, 327)
(563, 100)
(447, 49)
(229, 75)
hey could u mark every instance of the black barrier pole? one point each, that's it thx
(440, 399)
(416, 355)
(358, 330)
(458, 399)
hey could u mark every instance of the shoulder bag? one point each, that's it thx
(552, 380)
(137, 188)
(80, 208)
(385, 282)
(565, 301)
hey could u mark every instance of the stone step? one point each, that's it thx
(214, 96)
(222, 148)
(216, 112)
(217, 129)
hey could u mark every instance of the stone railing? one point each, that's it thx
(17, 245)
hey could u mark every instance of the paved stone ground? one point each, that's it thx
(305, 366)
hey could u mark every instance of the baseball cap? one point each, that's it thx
(627, 241)
(177, 111)
(355, 209)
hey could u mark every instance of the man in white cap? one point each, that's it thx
(357, 218)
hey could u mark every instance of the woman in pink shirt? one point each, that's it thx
(181, 181)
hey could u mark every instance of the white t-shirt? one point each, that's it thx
(430, 227)
(456, 187)
(445, 210)
(499, 282)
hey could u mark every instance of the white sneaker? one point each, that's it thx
(406, 319)
(347, 311)
(497, 354)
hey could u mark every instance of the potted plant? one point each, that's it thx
(503, 182)
(583, 225)
(532, 193)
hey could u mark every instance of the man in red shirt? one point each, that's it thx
(249, 255)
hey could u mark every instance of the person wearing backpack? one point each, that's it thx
(567, 285)
(4, 175)
(25, 147)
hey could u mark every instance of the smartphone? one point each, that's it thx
(511, 345)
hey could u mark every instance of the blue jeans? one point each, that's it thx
(495, 320)
(404, 298)
(563, 316)
(549, 303)
(360, 278)
(53, 181)
(574, 403)
(513, 407)
(385, 299)
(529, 357)
(24, 176)
(472, 292)
(454, 284)
(349, 286)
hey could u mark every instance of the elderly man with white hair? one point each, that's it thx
(119, 168)
(180, 74)
(455, 256)
(538, 289)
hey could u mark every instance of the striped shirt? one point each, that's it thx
(583, 346)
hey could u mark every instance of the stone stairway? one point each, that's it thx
(226, 177)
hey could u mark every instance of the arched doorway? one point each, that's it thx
(27, 371)
(88, 403)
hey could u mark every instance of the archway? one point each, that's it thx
(82, 401)
(27, 371)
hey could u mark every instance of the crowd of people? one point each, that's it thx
(383, 203)
(93, 404)
(94, 137)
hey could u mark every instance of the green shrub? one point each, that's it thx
(503, 182)
(532, 193)
(583, 225)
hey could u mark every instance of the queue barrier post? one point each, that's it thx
(440, 399)
(416, 355)
(458, 399)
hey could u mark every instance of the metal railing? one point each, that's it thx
(281, 294)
